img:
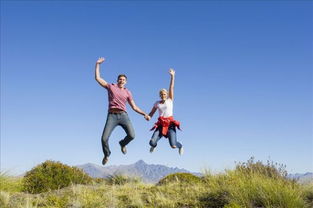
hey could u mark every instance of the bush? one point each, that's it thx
(52, 175)
(180, 177)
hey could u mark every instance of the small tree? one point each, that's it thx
(52, 175)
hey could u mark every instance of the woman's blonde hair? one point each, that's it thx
(163, 90)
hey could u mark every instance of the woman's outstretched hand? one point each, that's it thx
(172, 72)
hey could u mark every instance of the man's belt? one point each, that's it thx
(116, 111)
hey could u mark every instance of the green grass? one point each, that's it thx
(249, 185)
(255, 190)
(307, 194)
(231, 189)
(9, 183)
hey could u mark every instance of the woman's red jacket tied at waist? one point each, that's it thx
(165, 123)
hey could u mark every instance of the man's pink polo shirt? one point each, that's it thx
(118, 97)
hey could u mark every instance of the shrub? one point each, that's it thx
(52, 175)
(180, 177)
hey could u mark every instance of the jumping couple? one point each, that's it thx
(117, 116)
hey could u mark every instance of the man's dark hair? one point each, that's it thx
(121, 75)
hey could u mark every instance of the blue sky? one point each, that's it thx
(243, 80)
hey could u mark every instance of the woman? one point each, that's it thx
(166, 125)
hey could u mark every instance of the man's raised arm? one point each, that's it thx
(98, 78)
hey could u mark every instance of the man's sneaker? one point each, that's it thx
(181, 151)
(105, 160)
(123, 148)
(152, 149)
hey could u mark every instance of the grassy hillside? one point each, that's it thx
(246, 186)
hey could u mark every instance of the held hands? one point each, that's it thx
(100, 60)
(147, 117)
(172, 72)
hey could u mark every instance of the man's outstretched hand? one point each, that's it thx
(147, 117)
(100, 60)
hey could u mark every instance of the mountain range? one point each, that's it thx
(149, 173)
(302, 178)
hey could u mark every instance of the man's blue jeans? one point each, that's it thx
(171, 134)
(113, 120)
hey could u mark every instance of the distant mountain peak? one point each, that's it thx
(302, 178)
(140, 162)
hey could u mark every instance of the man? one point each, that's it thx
(117, 115)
